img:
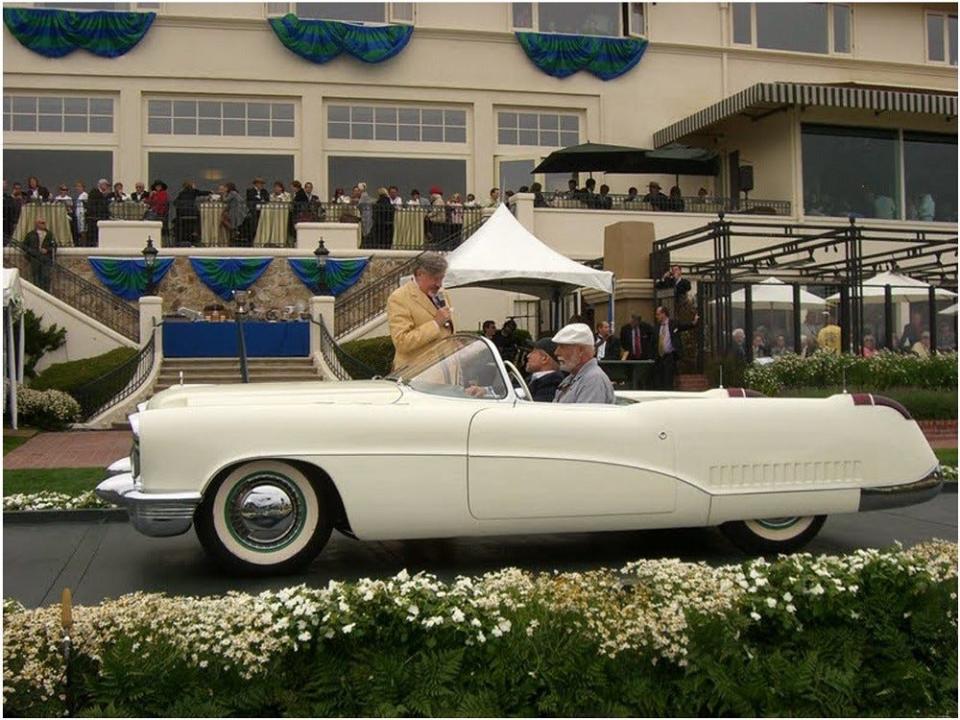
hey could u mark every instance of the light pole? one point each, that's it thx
(240, 298)
(321, 254)
(150, 261)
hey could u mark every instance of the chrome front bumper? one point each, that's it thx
(154, 514)
(892, 496)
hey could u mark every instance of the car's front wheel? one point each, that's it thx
(263, 517)
(773, 535)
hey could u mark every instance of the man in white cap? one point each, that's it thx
(586, 382)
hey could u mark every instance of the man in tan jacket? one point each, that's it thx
(417, 316)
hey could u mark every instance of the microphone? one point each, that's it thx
(442, 303)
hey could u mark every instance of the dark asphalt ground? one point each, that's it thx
(98, 560)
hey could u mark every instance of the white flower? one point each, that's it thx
(790, 608)
(457, 615)
(413, 611)
(481, 637)
(771, 603)
(755, 615)
(304, 636)
(504, 626)
(347, 629)
(787, 597)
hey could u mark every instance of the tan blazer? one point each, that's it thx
(412, 327)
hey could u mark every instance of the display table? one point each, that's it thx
(272, 228)
(629, 374)
(127, 210)
(220, 339)
(408, 229)
(212, 233)
(57, 221)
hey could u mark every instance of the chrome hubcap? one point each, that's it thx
(265, 512)
(777, 523)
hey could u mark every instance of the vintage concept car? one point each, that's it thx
(267, 471)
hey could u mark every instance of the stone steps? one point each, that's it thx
(220, 371)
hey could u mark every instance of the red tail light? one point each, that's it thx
(743, 393)
(881, 401)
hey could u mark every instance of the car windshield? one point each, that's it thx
(453, 366)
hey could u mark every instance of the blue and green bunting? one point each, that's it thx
(320, 41)
(563, 55)
(224, 275)
(55, 33)
(126, 277)
(339, 275)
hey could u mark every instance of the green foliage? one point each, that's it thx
(68, 376)
(733, 372)
(946, 456)
(375, 352)
(12, 442)
(872, 633)
(38, 341)
(884, 370)
(922, 404)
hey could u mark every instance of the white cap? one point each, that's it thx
(574, 334)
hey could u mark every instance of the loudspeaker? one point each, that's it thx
(746, 178)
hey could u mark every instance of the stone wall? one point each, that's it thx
(276, 288)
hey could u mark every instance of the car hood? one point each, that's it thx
(359, 392)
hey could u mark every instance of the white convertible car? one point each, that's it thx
(265, 472)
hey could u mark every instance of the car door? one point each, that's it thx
(545, 460)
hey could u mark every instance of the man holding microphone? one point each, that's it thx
(417, 311)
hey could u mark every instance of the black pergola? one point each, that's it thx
(744, 253)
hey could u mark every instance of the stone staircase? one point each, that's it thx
(220, 371)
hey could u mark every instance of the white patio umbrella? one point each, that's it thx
(774, 294)
(904, 289)
(952, 310)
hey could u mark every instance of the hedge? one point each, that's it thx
(68, 376)
(870, 633)
(922, 404)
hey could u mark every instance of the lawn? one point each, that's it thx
(71, 481)
(12, 442)
(947, 456)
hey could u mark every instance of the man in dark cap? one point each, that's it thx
(545, 375)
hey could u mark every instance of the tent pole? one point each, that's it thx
(610, 305)
(12, 370)
(23, 344)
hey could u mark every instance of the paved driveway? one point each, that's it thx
(101, 560)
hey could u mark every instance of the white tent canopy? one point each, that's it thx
(952, 310)
(504, 255)
(774, 294)
(904, 289)
(13, 313)
(12, 291)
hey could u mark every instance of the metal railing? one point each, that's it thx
(118, 384)
(340, 362)
(74, 290)
(637, 203)
(75, 222)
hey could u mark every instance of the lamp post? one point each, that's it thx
(321, 254)
(240, 297)
(150, 261)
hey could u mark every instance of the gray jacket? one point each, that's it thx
(589, 385)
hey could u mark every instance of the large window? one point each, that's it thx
(800, 27)
(56, 167)
(930, 173)
(357, 12)
(208, 170)
(941, 38)
(579, 18)
(406, 173)
(396, 124)
(32, 113)
(544, 129)
(216, 117)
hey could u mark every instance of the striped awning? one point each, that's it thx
(769, 96)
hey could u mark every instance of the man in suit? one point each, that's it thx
(417, 313)
(673, 278)
(635, 340)
(669, 347)
(140, 194)
(545, 375)
(97, 210)
(40, 245)
(607, 346)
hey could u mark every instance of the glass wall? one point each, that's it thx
(930, 172)
(406, 173)
(851, 171)
(344, 11)
(208, 170)
(792, 26)
(56, 167)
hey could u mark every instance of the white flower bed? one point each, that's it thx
(53, 501)
(646, 607)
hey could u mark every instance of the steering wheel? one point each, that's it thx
(518, 382)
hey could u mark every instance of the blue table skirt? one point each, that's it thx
(219, 339)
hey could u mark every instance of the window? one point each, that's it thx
(942, 38)
(406, 173)
(543, 129)
(396, 124)
(930, 173)
(57, 167)
(799, 27)
(208, 170)
(32, 113)
(343, 11)
(220, 118)
(574, 18)
(636, 19)
(851, 171)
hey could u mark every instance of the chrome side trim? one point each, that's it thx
(153, 514)
(892, 496)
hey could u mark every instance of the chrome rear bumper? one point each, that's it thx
(154, 514)
(892, 496)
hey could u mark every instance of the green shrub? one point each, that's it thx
(375, 352)
(38, 341)
(922, 404)
(871, 633)
(733, 372)
(69, 376)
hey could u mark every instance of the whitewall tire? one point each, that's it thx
(263, 517)
(773, 535)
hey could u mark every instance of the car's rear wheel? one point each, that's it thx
(264, 517)
(773, 535)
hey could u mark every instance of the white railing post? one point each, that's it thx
(523, 209)
(320, 305)
(151, 313)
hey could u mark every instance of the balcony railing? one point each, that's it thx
(637, 203)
